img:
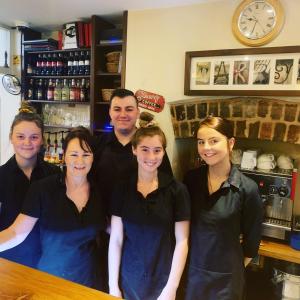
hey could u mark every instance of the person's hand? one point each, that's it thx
(115, 292)
(168, 293)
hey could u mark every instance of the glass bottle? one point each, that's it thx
(87, 63)
(76, 63)
(72, 90)
(54, 64)
(50, 90)
(30, 89)
(57, 91)
(40, 90)
(65, 91)
(49, 65)
(82, 91)
(70, 63)
(81, 63)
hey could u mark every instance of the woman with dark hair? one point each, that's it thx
(17, 174)
(225, 205)
(149, 225)
(70, 215)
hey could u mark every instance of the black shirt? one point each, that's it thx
(115, 162)
(67, 235)
(13, 187)
(216, 254)
(149, 238)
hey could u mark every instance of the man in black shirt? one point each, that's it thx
(114, 158)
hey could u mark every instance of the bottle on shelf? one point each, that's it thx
(70, 63)
(44, 65)
(50, 90)
(83, 91)
(65, 91)
(57, 91)
(29, 68)
(59, 64)
(77, 90)
(40, 90)
(54, 64)
(75, 64)
(87, 86)
(81, 67)
(72, 90)
(30, 89)
(87, 63)
(38, 66)
(49, 65)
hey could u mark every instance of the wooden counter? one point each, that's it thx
(19, 282)
(279, 251)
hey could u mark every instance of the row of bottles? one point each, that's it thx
(59, 64)
(53, 152)
(59, 90)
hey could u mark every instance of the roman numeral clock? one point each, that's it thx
(257, 22)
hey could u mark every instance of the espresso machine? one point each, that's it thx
(275, 191)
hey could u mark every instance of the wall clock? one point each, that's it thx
(257, 22)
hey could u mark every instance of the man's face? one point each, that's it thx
(124, 113)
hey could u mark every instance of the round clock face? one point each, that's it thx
(256, 22)
(12, 84)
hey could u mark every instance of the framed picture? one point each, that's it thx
(243, 72)
(70, 40)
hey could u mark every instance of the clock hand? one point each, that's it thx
(253, 27)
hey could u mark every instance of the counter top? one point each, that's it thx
(20, 282)
(279, 251)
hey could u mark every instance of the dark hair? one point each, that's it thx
(148, 128)
(122, 93)
(219, 124)
(27, 113)
(84, 136)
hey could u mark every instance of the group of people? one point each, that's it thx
(116, 205)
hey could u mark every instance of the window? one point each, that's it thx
(4, 47)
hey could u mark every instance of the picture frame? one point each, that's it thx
(268, 71)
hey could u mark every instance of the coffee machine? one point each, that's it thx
(275, 191)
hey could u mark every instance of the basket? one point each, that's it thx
(112, 67)
(106, 93)
(113, 56)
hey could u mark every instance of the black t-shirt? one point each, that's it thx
(13, 188)
(149, 238)
(67, 235)
(115, 162)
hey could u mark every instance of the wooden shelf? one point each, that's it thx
(107, 74)
(102, 102)
(55, 51)
(58, 76)
(110, 45)
(58, 102)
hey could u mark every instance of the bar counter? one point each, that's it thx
(279, 251)
(19, 282)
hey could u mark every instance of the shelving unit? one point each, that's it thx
(99, 77)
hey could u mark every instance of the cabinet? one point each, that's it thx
(89, 108)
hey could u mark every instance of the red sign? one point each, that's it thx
(150, 101)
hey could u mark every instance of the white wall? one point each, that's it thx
(158, 39)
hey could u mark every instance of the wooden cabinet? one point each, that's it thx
(106, 38)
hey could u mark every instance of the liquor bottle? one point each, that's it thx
(72, 90)
(82, 91)
(30, 89)
(29, 67)
(87, 63)
(76, 63)
(54, 64)
(49, 65)
(44, 64)
(40, 90)
(77, 90)
(59, 64)
(50, 91)
(81, 68)
(70, 63)
(57, 91)
(65, 91)
(38, 66)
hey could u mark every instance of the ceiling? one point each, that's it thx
(48, 14)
